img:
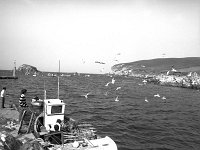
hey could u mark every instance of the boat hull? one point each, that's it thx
(105, 143)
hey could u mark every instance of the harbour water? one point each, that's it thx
(133, 123)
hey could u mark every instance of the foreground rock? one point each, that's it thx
(27, 142)
(9, 138)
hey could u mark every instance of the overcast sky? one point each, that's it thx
(80, 32)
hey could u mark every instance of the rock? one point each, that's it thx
(32, 145)
(10, 142)
(27, 69)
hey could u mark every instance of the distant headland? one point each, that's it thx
(179, 72)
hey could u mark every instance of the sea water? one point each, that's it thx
(133, 123)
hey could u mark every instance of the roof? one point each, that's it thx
(54, 102)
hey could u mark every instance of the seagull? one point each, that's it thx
(144, 81)
(157, 95)
(190, 74)
(86, 95)
(116, 99)
(99, 62)
(118, 88)
(107, 83)
(113, 81)
(146, 100)
(168, 72)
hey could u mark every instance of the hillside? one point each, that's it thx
(160, 65)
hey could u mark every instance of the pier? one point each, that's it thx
(13, 76)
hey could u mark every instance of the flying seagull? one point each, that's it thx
(116, 99)
(118, 88)
(157, 95)
(107, 83)
(113, 81)
(98, 62)
(86, 95)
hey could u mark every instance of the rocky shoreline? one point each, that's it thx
(191, 80)
(171, 78)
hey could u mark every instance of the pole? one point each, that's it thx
(58, 79)
(14, 70)
(45, 93)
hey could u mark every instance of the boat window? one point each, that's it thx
(56, 109)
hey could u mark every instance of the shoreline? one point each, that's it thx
(191, 81)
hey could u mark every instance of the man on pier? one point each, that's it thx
(3, 95)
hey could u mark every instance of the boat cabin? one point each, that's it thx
(54, 109)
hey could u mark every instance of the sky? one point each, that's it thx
(80, 32)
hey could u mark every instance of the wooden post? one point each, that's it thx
(21, 121)
(30, 122)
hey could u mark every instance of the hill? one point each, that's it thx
(27, 69)
(159, 65)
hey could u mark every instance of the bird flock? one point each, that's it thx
(158, 96)
(106, 93)
(112, 82)
(119, 88)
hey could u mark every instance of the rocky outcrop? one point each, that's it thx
(192, 80)
(28, 69)
(131, 70)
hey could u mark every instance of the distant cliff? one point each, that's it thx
(28, 69)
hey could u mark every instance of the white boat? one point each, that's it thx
(67, 133)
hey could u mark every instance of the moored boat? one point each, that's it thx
(57, 130)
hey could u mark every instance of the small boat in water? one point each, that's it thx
(37, 102)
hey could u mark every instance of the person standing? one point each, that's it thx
(22, 99)
(22, 103)
(3, 95)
